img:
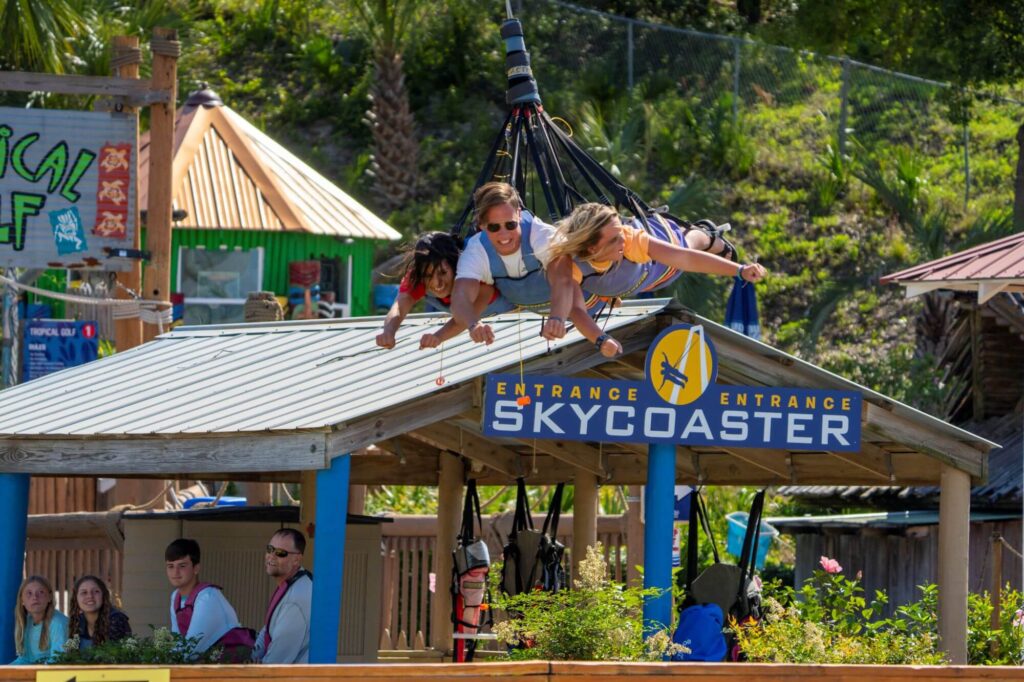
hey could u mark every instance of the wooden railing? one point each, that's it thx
(544, 671)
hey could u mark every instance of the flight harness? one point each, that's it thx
(470, 566)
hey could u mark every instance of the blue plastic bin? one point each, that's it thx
(222, 502)
(738, 528)
(384, 296)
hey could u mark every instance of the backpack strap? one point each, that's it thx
(471, 504)
(750, 541)
(554, 513)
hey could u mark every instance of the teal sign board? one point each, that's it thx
(67, 188)
(679, 402)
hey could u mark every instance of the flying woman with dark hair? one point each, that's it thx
(94, 620)
(40, 630)
(594, 250)
(430, 267)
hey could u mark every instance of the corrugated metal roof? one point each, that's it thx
(230, 175)
(989, 269)
(1003, 489)
(283, 376)
(793, 524)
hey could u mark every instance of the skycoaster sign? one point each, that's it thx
(678, 403)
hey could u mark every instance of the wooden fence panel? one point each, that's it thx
(408, 558)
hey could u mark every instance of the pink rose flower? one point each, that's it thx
(830, 565)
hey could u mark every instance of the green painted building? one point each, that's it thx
(245, 207)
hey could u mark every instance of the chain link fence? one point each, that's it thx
(795, 106)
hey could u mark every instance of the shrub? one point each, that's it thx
(163, 648)
(597, 620)
(829, 621)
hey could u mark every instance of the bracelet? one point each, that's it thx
(600, 341)
(472, 326)
(739, 271)
(556, 317)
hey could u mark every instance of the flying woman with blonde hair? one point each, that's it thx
(40, 630)
(594, 251)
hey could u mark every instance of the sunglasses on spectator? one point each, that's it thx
(508, 225)
(278, 552)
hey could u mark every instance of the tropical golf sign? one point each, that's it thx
(679, 403)
(67, 187)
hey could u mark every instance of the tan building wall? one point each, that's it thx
(232, 557)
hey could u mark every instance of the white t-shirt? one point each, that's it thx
(212, 617)
(474, 264)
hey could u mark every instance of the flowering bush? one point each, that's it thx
(597, 620)
(163, 648)
(830, 621)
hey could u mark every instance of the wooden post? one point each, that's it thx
(307, 514)
(584, 516)
(157, 275)
(128, 331)
(634, 537)
(954, 550)
(449, 517)
(997, 578)
(357, 499)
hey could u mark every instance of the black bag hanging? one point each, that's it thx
(533, 557)
(727, 585)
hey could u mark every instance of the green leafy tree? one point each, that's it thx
(34, 34)
(387, 25)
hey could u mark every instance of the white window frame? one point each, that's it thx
(204, 300)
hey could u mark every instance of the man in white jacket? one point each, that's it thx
(198, 610)
(285, 634)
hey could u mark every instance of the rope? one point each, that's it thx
(1009, 547)
(128, 56)
(145, 310)
(166, 48)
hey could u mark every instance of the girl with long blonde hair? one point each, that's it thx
(40, 630)
(594, 252)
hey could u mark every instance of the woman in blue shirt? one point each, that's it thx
(40, 630)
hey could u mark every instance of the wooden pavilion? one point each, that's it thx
(291, 401)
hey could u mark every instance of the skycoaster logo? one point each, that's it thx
(680, 402)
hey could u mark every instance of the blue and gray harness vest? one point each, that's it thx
(532, 289)
(625, 278)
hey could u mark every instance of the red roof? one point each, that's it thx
(988, 268)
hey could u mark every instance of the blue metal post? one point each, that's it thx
(13, 519)
(659, 496)
(328, 561)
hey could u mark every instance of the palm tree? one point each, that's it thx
(387, 25)
(34, 34)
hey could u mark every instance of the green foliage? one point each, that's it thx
(828, 620)
(597, 620)
(163, 648)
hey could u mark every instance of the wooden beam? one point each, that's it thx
(156, 275)
(409, 416)
(169, 455)
(451, 437)
(577, 453)
(446, 526)
(584, 515)
(772, 461)
(954, 555)
(136, 93)
(386, 469)
(128, 331)
(892, 427)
